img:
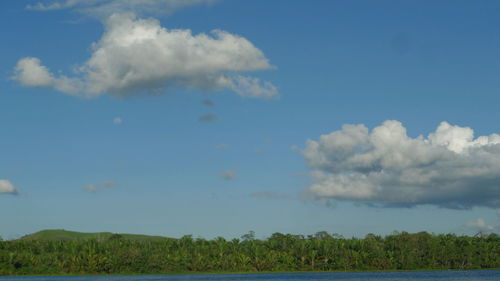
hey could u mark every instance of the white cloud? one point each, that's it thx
(138, 55)
(6, 187)
(117, 120)
(29, 72)
(385, 167)
(96, 187)
(104, 8)
(90, 187)
(228, 175)
(480, 224)
(249, 86)
(39, 6)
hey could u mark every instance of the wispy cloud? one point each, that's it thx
(221, 146)
(105, 8)
(208, 102)
(96, 187)
(209, 117)
(264, 147)
(137, 56)
(90, 187)
(480, 224)
(228, 175)
(6, 187)
(117, 120)
(385, 167)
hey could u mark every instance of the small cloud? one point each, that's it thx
(249, 87)
(90, 187)
(294, 148)
(6, 187)
(117, 120)
(95, 187)
(221, 146)
(108, 184)
(209, 117)
(208, 102)
(30, 72)
(480, 225)
(52, 6)
(270, 195)
(228, 175)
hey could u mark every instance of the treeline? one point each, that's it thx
(280, 252)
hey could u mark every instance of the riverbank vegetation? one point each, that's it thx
(281, 252)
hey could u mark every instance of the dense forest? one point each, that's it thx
(280, 252)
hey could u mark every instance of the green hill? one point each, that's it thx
(61, 234)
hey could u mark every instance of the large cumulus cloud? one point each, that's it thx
(139, 55)
(385, 167)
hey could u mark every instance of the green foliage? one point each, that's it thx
(122, 253)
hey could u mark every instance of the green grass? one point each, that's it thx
(61, 234)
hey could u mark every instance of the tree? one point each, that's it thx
(249, 236)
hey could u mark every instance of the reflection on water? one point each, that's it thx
(471, 275)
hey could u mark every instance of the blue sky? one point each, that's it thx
(113, 121)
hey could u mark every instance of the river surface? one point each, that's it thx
(472, 275)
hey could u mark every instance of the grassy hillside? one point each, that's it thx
(61, 234)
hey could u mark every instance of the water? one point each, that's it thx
(473, 275)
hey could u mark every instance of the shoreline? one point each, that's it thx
(246, 272)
